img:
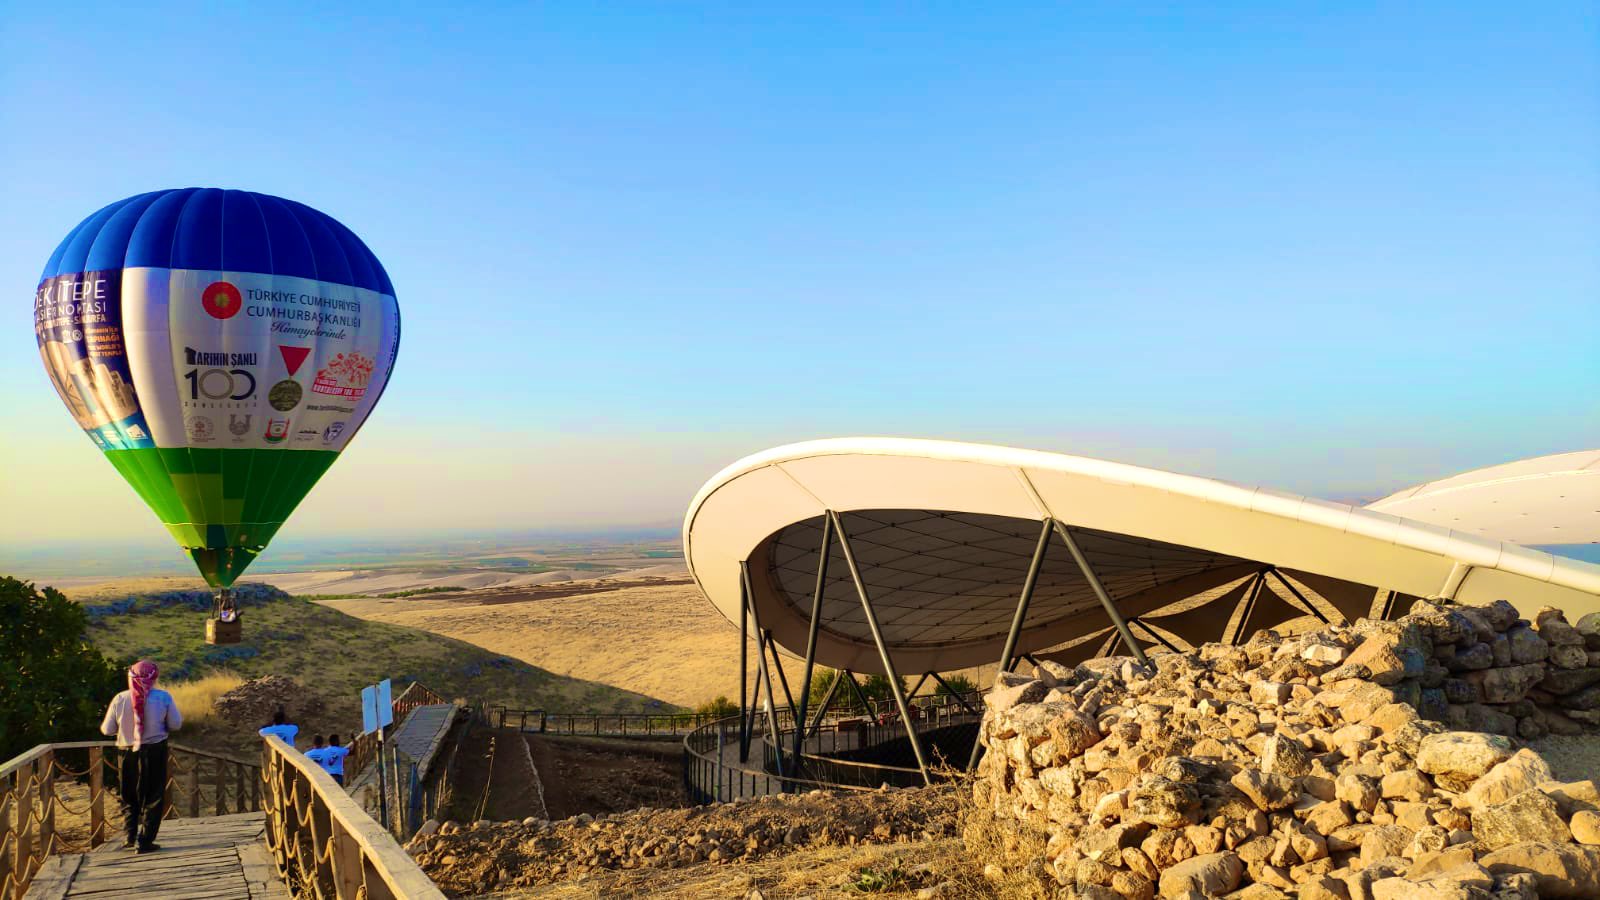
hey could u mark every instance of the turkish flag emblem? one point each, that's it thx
(293, 357)
(222, 300)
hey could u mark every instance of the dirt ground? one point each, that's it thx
(581, 775)
(664, 851)
(820, 873)
(570, 776)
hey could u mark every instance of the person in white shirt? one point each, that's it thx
(141, 717)
(281, 728)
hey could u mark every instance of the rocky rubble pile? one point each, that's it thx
(1301, 766)
(1484, 669)
(252, 704)
(487, 855)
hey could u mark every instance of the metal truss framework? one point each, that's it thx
(833, 529)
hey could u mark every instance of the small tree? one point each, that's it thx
(958, 684)
(54, 685)
(875, 687)
(719, 708)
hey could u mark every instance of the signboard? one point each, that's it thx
(377, 709)
(385, 704)
(369, 709)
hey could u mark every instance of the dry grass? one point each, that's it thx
(197, 699)
(663, 640)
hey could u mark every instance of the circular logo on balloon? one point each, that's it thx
(201, 429)
(285, 395)
(222, 300)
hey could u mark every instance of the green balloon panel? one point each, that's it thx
(222, 505)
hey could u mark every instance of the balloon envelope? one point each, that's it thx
(221, 348)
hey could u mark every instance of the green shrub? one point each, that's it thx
(720, 707)
(54, 686)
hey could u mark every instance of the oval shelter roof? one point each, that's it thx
(1546, 500)
(944, 535)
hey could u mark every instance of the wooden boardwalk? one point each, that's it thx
(217, 858)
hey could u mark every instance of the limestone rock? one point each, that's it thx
(1562, 870)
(1526, 645)
(1406, 784)
(1384, 840)
(1525, 769)
(1572, 796)
(1010, 689)
(1585, 825)
(1267, 791)
(1461, 757)
(1208, 876)
(1509, 684)
(1165, 804)
(1528, 816)
(1391, 654)
(1589, 627)
(1360, 791)
(1282, 756)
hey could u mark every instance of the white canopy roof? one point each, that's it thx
(1545, 500)
(944, 533)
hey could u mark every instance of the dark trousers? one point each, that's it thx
(144, 786)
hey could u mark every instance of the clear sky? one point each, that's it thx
(1331, 248)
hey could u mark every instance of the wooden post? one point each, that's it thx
(194, 787)
(346, 864)
(321, 837)
(97, 797)
(8, 804)
(220, 784)
(24, 863)
(238, 789)
(166, 789)
(47, 797)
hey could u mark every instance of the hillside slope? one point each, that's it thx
(331, 654)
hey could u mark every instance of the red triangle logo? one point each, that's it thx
(293, 357)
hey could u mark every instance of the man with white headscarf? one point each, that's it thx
(141, 717)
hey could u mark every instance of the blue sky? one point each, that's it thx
(1335, 249)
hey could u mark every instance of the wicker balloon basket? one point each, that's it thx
(220, 632)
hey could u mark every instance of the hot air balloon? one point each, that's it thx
(222, 348)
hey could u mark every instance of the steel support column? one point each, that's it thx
(763, 671)
(861, 696)
(918, 686)
(811, 636)
(1100, 592)
(1249, 607)
(1301, 597)
(777, 666)
(1007, 654)
(1389, 600)
(1154, 635)
(827, 703)
(1028, 584)
(744, 670)
(883, 647)
(747, 729)
(952, 692)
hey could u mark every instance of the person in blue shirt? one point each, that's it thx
(329, 757)
(281, 728)
(333, 759)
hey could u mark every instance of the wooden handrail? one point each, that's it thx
(322, 841)
(31, 796)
